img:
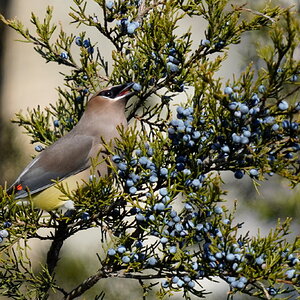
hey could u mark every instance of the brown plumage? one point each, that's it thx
(71, 154)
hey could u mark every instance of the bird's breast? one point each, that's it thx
(52, 197)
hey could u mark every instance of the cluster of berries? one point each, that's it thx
(128, 27)
(251, 122)
(172, 232)
(81, 43)
(3, 232)
(140, 169)
(243, 126)
(86, 43)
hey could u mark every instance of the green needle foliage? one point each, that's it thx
(248, 125)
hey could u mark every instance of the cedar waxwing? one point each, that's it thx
(69, 158)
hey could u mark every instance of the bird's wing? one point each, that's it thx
(66, 157)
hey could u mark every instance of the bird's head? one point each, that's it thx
(117, 92)
(109, 102)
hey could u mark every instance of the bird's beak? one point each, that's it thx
(123, 91)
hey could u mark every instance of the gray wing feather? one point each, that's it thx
(68, 156)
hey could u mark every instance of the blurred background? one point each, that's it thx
(26, 81)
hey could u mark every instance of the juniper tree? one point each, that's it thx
(161, 211)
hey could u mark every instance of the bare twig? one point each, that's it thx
(86, 285)
(255, 12)
(264, 290)
(102, 273)
(143, 10)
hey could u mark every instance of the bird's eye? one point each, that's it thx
(105, 93)
(108, 93)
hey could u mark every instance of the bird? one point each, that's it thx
(69, 159)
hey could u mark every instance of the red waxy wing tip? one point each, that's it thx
(19, 187)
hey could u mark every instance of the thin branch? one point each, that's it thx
(137, 276)
(86, 285)
(143, 99)
(92, 280)
(264, 290)
(143, 10)
(255, 12)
